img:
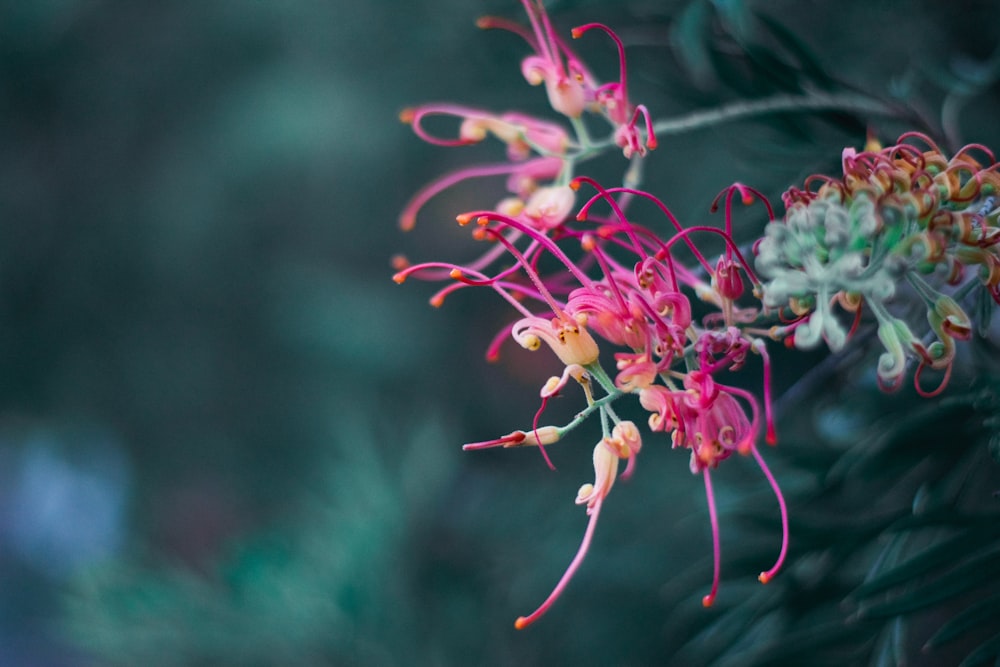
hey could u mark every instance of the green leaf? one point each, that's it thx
(690, 37)
(961, 623)
(984, 652)
(959, 580)
(805, 59)
(934, 558)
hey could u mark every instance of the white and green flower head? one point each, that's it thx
(898, 214)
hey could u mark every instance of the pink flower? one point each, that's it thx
(613, 99)
(565, 81)
(708, 419)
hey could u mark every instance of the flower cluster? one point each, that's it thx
(626, 289)
(541, 154)
(617, 281)
(898, 215)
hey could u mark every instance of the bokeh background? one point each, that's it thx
(227, 438)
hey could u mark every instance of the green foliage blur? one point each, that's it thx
(227, 438)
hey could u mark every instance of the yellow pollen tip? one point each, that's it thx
(437, 301)
(463, 219)
(399, 278)
(521, 623)
(406, 116)
(482, 221)
(456, 274)
(763, 578)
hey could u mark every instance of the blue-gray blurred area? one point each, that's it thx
(228, 438)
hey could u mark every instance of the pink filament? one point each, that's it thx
(716, 550)
(769, 574)
(524, 621)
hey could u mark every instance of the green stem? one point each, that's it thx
(775, 104)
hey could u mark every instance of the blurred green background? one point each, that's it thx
(227, 438)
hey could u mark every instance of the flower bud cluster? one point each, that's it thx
(898, 215)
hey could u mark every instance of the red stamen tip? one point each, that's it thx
(576, 32)
(456, 274)
(764, 577)
(707, 601)
(406, 115)
(463, 219)
(399, 278)
(574, 185)
(747, 198)
(437, 301)
(521, 623)
(652, 143)
(407, 222)
(581, 217)
(399, 262)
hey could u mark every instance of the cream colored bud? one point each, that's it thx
(576, 346)
(545, 435)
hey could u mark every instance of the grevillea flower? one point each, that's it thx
(613, 100)
(619, 282)
(599, 281)
(541, 155)
(898, 216)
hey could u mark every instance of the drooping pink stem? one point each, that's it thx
(716, 549)
(524, 621)
(534, 430)
(769, 574)
(408, 217)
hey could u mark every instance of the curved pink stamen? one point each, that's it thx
(769, 574)
(580, 30)
(716, 549)
(408, 218)
(524, 621)
(670, 216)
(534, 430)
